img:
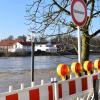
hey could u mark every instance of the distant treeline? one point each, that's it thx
(42, 53)
(38, 53)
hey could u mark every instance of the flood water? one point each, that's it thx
(16, 64)
(17, 70)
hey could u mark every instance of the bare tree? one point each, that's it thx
(48, 15)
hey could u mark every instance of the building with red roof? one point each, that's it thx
(19, 45)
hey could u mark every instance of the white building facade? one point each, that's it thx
(26, 46)
(19, 46)
(44, 47)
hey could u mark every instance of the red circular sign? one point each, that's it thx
(79, 12)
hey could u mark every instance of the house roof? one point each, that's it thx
(19, 40)
(25, 43)
(9, 42)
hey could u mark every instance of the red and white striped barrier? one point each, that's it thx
(75, 87)
(44, 92)
(61, 90)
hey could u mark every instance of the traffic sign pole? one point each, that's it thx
(79, 44)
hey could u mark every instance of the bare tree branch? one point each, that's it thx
(94, 34)
(88, 2)
(54, 14)
(97, 13)
(62, 8)
(91, 12)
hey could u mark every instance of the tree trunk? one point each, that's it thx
(85, 48)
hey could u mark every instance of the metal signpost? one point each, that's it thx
(32, 55)
(79, 16)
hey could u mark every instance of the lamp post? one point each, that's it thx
(32, 56)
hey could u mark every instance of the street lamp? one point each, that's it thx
(32, 55)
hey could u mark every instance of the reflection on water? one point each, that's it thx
(24, 63)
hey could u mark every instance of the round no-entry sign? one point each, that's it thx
(79, 12)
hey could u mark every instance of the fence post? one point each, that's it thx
(55, 89)
(52, 80)
(32, 84)
(10, 88)
(42, 82)
(22, 86)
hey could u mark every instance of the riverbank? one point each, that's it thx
(25, 54)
